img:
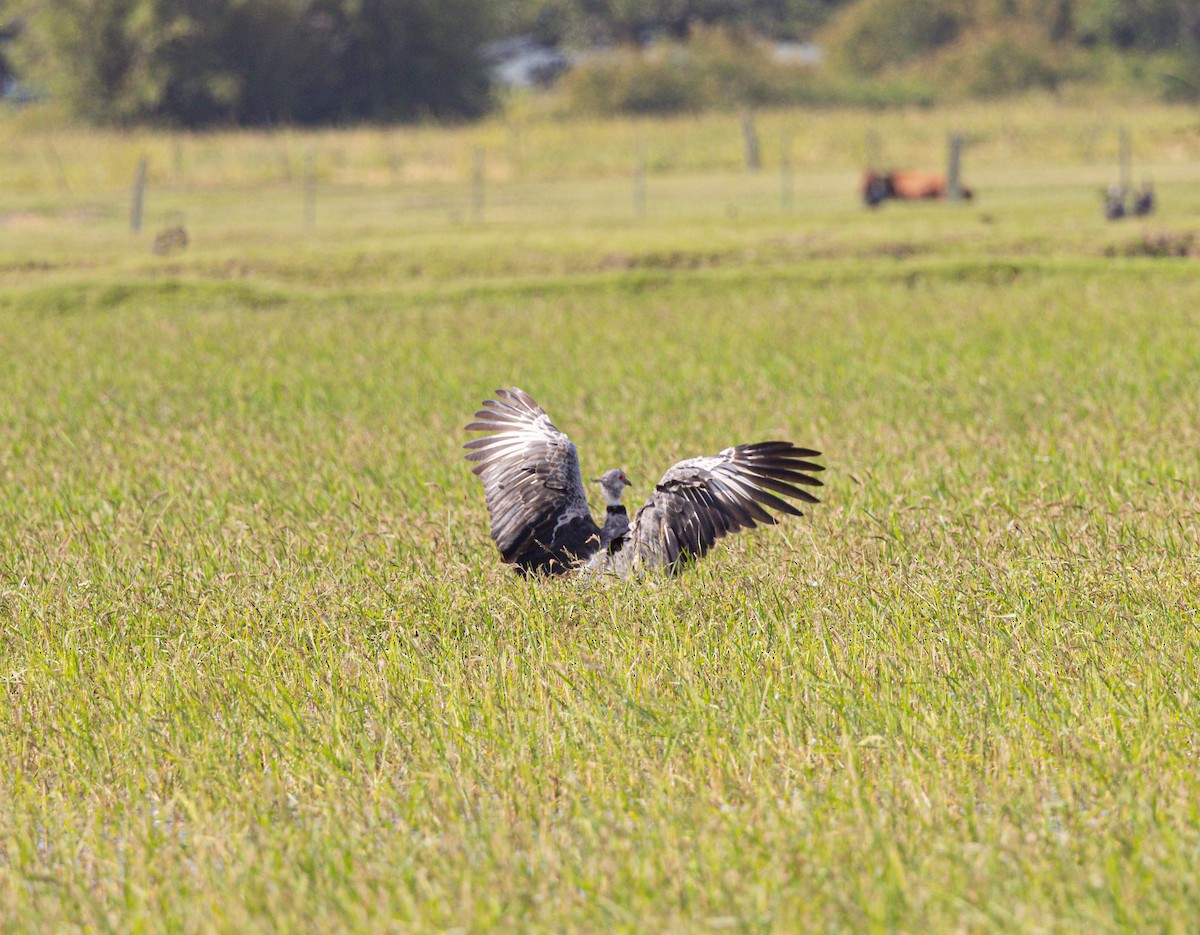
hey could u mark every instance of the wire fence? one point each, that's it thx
(369, 182)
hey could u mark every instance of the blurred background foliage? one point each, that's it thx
(197, 63)
(204, 63)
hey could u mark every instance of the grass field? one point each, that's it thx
(263, 671)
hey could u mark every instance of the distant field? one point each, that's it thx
(263, 671)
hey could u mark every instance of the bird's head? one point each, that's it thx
(613, 484)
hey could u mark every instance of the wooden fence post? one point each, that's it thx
(394, 156)
(954, 168)
(1126, 159)
(477, 184)
(874, 146)
(310, 188)
(56, 163)
(639, 182)
(285, 161)
(750, 140)
(139, 197)
(515, 150)
(786, 181)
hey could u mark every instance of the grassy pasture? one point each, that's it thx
(262, 669)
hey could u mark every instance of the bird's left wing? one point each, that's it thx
(532, 483)
(702, 499)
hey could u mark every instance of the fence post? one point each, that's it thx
(477, 184)
(285, 161)
(750, 139)
(310, 188)
(786, 181)
(395, 157)
(954, 168)
(1126, 159)
(56, 163)
(639, 182)
(139, 197)
(874, 144)
(515, 152)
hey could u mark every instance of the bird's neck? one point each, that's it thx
(613, 500)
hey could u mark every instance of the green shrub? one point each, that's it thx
(718, 69)
(631, 83)
(872, 35)
(1181, 77)
(1007, 61)
(1139, 24)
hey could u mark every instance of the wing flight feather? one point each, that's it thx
(699, 500)
(532, 483)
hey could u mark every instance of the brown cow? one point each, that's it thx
(907, 185)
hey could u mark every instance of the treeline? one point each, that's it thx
(902, 25)
(201, 63)
(876, 34)
(891, 52)
(635, 21)
(195, 63)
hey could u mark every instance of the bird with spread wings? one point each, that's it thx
(538, 507)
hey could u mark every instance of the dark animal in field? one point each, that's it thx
(876, 189)
(1114, 203)
(1143, 201)
(907, 185)
(1141, 205)
(171, 240)
(538, 507)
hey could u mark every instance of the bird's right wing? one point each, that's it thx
(532, 483)
(702, 499)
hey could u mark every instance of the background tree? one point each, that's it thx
(198, 63)
(629, 20)
(400, 59)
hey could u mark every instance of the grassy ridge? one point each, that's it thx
(263, 671)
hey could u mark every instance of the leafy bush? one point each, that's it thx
(987, 48)
(871, 35)
(631, 83)
(716, 69)
(1181, 77)
(1139, 24)
(1007, 61)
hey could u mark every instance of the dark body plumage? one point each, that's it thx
(538, 507)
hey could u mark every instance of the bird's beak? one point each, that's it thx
(628, 484)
